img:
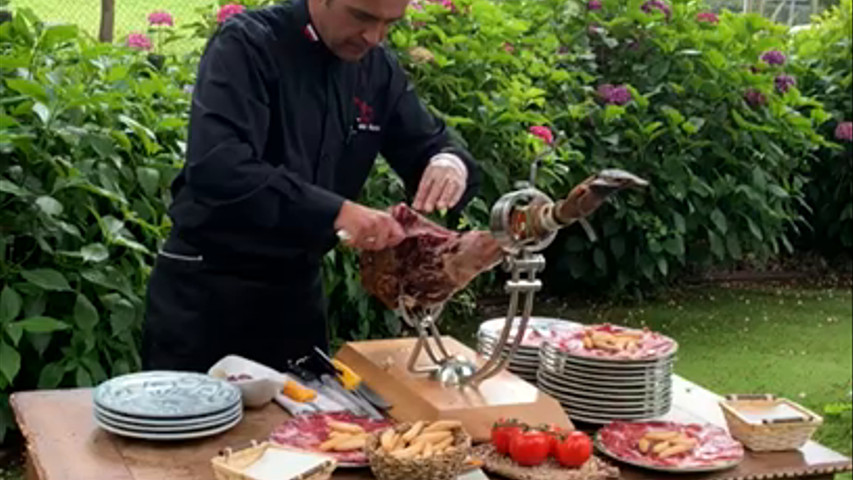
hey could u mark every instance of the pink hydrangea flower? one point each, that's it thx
(595, 5)
(139, 41)
(160, 18)
(784, 82)
(755, 98)
(543, 132)
(508, 47)
(616, 95)
(844, 131)
(228, 11)
(707, 17)
(659, 5)
(773, 57)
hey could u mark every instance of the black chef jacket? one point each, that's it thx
(281, 132)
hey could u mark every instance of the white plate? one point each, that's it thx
(618, 374)
(131, 427)
(165, 394)
(704, 469)
(639, 383)
(170, 436)
(604, 420)
(163, 423)
(544, 326)
(606, 393)
(583, 398)
(610, 366)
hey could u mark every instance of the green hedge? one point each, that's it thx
(91, 136)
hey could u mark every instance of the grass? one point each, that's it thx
(792, 342)
(131, 15)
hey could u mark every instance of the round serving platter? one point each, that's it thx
(166, 395)
(705, 469)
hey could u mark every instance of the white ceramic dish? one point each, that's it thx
(133, 427)
(169, 436)
(186, 424)
(260, 389)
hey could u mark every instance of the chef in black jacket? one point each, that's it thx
(291, 106)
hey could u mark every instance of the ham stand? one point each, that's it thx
(459, 384)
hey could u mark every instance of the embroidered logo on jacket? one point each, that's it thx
(310, 33)
(365, 116)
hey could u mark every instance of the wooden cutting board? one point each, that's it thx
(382, 364)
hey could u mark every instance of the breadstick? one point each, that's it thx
(352, 443)
(443, 425)
(414, 431)
(660, 447)
(388, 439)
(644, 445)
(334, 441)
(439, 447)
(432, 437)
(681, 448)
(344, 427)
(661, 435)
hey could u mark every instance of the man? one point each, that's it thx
(291, 107)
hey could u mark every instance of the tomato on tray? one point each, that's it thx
(574, 449)
(530, 448)
(502, 433)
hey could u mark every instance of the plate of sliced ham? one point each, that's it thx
(670, 446)
(337, 434)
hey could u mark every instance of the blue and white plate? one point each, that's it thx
(166, 395)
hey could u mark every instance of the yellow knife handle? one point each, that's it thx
(349, 379)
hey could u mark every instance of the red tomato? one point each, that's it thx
(554, 432)
(574, 450)
(530, 448)
(502, 433)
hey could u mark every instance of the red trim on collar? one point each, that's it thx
(310, 33)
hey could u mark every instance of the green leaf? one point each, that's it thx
(56, 34)
(693, 125)
(12, 189)
(85, 314)
(719, 220)
(717, 247)
(733, 244)
(122, 316)
(600, 260)
(49, 205)
(98, 373)
(51, 376)
(10, 304)
(674, 246)
(578, 266)
(109, 277)
(680, 224)
(663, 266)
(95, 252)
(756, 232)
(39, 341)
(15, 332)
(47, 279)
(149, 179)
(612, 112)
(42, 111)
(778, 191)
(83, 378)
(575, 244)
(10, 361)
(42, 325)
(27, 87)
(674, 116)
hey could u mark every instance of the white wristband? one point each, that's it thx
(451, 160)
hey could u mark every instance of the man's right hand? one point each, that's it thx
(368, 229)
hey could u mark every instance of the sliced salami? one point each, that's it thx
(308, 432)
(608, 341)
(671, 445)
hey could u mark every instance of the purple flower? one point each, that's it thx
(844, 131)
(543, 132)
(707, 17)
(160, 18)
(595, 5)
(784, 82)
(508, 48)
(754, 97)
(228, 11)
(616, 95)
(773, 57)
(139, 41)
(659, 5)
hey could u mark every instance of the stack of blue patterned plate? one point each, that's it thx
(163, 405)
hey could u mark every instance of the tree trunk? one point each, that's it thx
(108, 17)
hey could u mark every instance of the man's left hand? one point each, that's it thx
(442, 184)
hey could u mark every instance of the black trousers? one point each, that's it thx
(199, 311)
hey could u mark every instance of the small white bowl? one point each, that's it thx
(257, 391)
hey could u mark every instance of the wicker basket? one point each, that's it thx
(231, 465)
(443, 466)
(770, 434)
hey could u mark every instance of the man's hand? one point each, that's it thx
(442, 184)
(366, 228)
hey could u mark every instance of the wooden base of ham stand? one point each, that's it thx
(383, 366)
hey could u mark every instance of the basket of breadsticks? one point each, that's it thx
(419, 451)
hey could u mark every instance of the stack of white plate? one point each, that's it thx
(525, 362)
(603, 389)
(162, 405)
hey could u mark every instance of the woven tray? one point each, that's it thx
(594, 469)
(231, 465)
(744, 414)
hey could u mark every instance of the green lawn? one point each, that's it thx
(794, 343)
(131, 15)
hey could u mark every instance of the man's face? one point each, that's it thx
(350, 28)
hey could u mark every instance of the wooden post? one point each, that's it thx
(108, 18)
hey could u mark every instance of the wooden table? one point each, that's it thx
(63, 443)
